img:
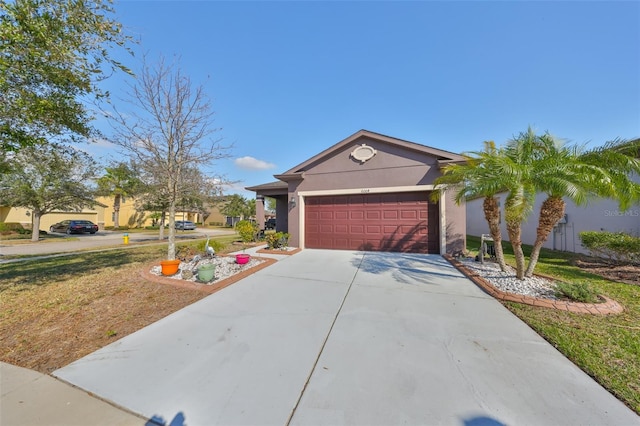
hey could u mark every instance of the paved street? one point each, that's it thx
(77, 242)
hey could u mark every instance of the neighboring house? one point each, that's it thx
(367, 192)
(104, 216)
(23, 216)
(598, 215)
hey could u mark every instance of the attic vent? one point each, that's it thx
(363, 153)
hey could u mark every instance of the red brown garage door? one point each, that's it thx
(402, 222)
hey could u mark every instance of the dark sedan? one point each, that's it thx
(74, 227)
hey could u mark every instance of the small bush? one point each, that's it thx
(11, 227)
(277, 240)
(615, 246)
(578, 292)
(217, 246)
(247, 231)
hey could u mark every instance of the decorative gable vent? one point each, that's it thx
(363, 153)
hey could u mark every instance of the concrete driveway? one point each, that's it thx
(338, 337)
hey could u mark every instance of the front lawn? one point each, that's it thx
(56, 310)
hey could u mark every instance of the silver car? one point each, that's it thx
(185, 225)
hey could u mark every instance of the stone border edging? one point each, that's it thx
(282, 252)
(206, 288)
(608, 307)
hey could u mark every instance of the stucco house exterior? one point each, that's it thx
(367, 192)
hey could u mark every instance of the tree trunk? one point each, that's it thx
(116, 212)
(35, 225)
(513, 228)
(551, 212)
(171, 254)
(163, 218)
(492, 215)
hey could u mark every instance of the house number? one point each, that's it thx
(364, 191)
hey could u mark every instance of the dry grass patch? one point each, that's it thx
(57, 310)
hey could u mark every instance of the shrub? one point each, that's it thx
(577, 291)
(615, 246)
(11, 227)
(247, 231)
(217, 246)
(277, 240)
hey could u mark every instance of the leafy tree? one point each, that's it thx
(238, 206)
(270, 204)
(48, 178)
(53, 54)
(169, 132)
(120, 181)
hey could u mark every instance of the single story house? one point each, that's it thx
(367, 192)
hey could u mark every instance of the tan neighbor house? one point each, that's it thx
(102, 216)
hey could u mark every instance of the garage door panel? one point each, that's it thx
(374, 229)
(326, 215)
(409, 214)
(404, 222)
(341, 228)
(390, 214)
(341, 215)
(373, 214)
(356, 229)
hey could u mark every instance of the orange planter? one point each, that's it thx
(169, 267)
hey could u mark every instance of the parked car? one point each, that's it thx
(185, 225)
(74, 227)
(270, 224)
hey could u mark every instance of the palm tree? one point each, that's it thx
(119, 182)
(478, 177)
(569, 172)
(516, 166)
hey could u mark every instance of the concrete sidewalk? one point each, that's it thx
(35, 399)
(337, 337)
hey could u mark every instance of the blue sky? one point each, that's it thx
(288, 79)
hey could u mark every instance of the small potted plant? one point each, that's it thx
(247, 231)
(206, 272)
(170, 267)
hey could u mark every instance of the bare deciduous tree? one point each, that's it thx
(170, 131)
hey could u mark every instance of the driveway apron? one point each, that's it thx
(340, 337)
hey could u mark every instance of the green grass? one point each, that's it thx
(62, 268)
(605, 347)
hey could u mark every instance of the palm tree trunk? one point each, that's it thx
(492, 215)
(551, 212)
(513, 228)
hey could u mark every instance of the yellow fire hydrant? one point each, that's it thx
(125, 237)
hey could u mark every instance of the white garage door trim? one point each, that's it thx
(381, 190)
